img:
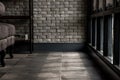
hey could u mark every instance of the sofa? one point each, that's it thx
(7, 38)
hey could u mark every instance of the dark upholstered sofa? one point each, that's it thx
(7, 38)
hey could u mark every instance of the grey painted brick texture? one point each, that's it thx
(59, 21)
(54, 21)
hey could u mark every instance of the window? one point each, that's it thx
(90, 31)
(94, 32)
(100, 5)
(105, 30)
(100, 35)
(108, 37)
(116, 54)
(109, 3)
(94, 5)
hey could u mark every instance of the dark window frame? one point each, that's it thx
(116, 55)
(93, 32)
(113, 11)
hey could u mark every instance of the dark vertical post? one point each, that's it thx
(116, 51)
(88, 20)
(2, 56)
(31, 24)
(93, 32)
(98, 34)
(105, 46)
(10, 51)
(104, 5)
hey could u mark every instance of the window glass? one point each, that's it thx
(110, 36)
(93, 32)
(101, 34)
(100, 5)
(94, 5)
(109, 3)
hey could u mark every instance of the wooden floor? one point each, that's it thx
(51, 66)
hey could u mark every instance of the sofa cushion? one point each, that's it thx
(3, 44)
(2, 8)
(10, 40)
(11, 29)
(3, 31)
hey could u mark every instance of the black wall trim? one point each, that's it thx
(37, 47)
(106, 66)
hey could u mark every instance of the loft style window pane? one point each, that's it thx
(98, 34)
(110, 36)
(89, 31)
(93, 32)
(109, 3)
(100, 5)
(101, 34)
(94, 5)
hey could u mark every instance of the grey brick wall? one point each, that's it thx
(55, 21)
(16, 7)
(59, 21)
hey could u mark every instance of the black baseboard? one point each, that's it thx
(22, 47)
(37, 47)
